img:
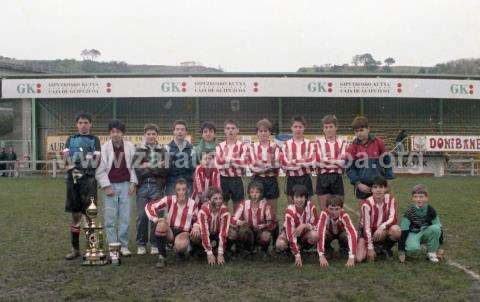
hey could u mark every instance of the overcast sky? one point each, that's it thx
(243, 35)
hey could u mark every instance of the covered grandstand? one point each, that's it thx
(47, 104)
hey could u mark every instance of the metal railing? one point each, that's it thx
(463, 167)
(24, 168)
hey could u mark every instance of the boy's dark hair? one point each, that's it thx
(230, 122)
(256, 185)
(83, 115)
(299, 118)
(359, 122)
(335, 201)
(212, 191)
(149, 127)
(420, 189)
(180, 181)
(329, 119)
(116, 124)
(265, 123)
(299, 191)
(209, 126)
(380, 181)
(179, 122)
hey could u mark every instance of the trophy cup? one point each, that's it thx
(114, 249)
(94, 233)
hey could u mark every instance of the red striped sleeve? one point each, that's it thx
(224, 226)
(205, 229)
(322, 227)
(351, 234)
(292, 239)
(154, 205)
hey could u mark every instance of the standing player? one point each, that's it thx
(297, 158)
(82, 154)
(265, 166)
(368, 159)
(206, 176)
(214, 221)
(329, 158)
(301, 220)
(177, 226)
(253, 221)
(335, 224)
(378, 223)
(231, 157)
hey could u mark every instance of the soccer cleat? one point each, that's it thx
(162, 262)
(154, 250)
(141, 250)
(72, 255)
(124, 251)
(432, 257)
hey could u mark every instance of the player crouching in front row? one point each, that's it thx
(214, 221)
(335, 224)
(301, 219)
(378, 230)
(253, 222)
(176, 227)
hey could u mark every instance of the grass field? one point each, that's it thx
(34, 237)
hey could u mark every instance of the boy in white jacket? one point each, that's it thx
(116, 176)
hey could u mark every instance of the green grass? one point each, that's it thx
(34, 237)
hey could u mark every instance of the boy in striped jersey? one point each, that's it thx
(177, 226)
(214, 222)
(265, 166)
(253, 221)
(231, 157)
(329, 161)
(297, 159)
(206, 176)
(301, 220)
(335, 224)
(378, 223)
(421, 224)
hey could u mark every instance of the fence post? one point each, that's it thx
(17, 169)
(472, 167)
(54, 168)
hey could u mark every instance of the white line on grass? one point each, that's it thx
(472, 274)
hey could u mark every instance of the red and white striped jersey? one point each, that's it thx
(265, 160)
(330, 156)
(297, 157)
(336, 227)
(179, 216)
(294, 218)
(375, 215)
(203, 179)
(214, 223)
(231, 160)
(261, 214)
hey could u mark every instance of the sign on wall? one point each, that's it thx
(445, 143)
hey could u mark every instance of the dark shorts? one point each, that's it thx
(302, 242)
(270, 186)
(79, 193)
(330, 184)
(177, 231)
(232, 188)
(305, 180)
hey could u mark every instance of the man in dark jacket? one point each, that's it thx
(182, 158)
(150, 169)
(367, 158)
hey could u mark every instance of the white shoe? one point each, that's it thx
(432, 257)
(141, 250)
(125, 252)
(154, 250)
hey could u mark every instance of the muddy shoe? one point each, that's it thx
(72, 255)
(162, 262)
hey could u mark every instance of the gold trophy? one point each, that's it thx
(94, 233)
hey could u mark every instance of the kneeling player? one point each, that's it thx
(253, 221)
(378, 223)
(176, 227)
(214, 222)
(301, 219)
(335, 224)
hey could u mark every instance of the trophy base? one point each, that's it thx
(95, 262)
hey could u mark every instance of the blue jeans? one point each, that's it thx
(145, 193)
(117, 213)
